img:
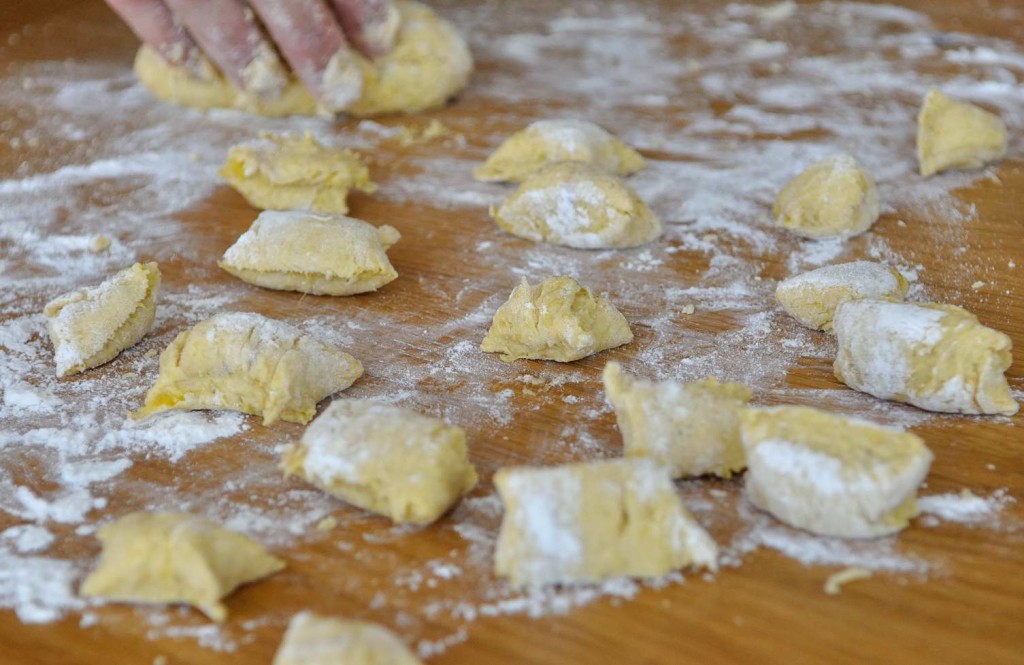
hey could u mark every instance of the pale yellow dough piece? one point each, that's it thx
(286, 172)
(832, 198)
(90, 327)
(956, 135)
(547, 142)
(693, 428)
(590, 521)
(936, 357)
(385, 459)
(317, 640)
(832, 475)
(249, 363)
(175, 558)
(812, 297)
(578, 205)
(429, 64)
(557, 319)
(310, 253)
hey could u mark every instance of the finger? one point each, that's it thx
(370, 25)
(311, 40)
(229, 34)
(153, 23)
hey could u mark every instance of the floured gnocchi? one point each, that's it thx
(547, 142)
(578, 205)
(593, 520)
(286, 172)
(249, 363)
(833, 198)
(936, 357)
(385, 459)
(956, 135)
(317, 640)
(309, 253)
(557, 319)
(693, 428)
(90, 327)
(175, 558)
(832, 475)
(812, 297)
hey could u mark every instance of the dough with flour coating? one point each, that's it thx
(812, 297)
(833, 198)
(956, 135)
(317, 640)
(429, 64)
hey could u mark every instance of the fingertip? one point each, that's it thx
(342, 81)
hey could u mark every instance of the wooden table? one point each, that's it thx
(456, 267)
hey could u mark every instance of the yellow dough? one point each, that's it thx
(547, 142)
(556, 320)
(310, 253)
(175, 558)
(429, 64)
(693, 428)
(285, 172)
(594, 520)
(936, 357)
(385, 459)
(578, 205)
(90, 327)
(832, 475)
(832, 198)
(956, 135)
(249, 363)
(812, 297)
(317, 640)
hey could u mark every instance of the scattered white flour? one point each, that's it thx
(965, 507)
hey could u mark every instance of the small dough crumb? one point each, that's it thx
(316, 640)
(833, 198)
(100, 243)
(977, 286)
(956, 135)
(812, 297)
(326, 524)
(175, 558)
(556, 320)
(836, 580)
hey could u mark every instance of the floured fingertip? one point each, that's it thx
(264, 76)
(380, 33)
(342, 81)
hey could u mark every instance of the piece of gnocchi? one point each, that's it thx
(309, 253)
(956, 135)
(812, 297)
(317, 640)
(175, 558)
(693, 428)
(832, 475)
(557, 319)
(578, 205)
(91, 326)
(590, 521)
(833, 198)
(546, 142)
(936, 357)
(246, 362)
(286, 172)
(386, 459)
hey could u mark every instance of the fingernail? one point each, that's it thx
(342, 81)
(264, 76)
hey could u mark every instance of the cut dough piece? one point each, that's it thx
(385, 459)
(936, 357)
(832, 198)
(249, 363)
(285, 172)
(556, 320)
(175, 558)
(578, 205)
(956, 135)
(551, 141)
(693, 428)
(429, 64)
(309, 253)
(832, 475)
(590, 521)
(317, 640)
(90, 327)
(812, 297)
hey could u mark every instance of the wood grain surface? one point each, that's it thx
(967, 608)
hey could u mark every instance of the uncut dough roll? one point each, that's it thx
(812, 297)
(429, 64)
(936, 357)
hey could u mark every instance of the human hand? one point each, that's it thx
(246, 40)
